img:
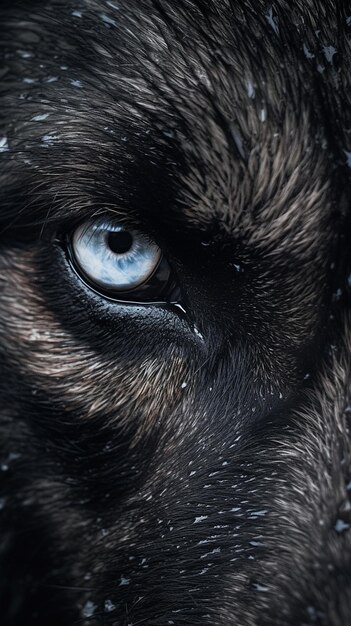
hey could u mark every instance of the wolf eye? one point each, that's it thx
(120, 263)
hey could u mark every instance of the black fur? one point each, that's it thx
(162, 464)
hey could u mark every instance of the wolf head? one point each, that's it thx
(176, 460)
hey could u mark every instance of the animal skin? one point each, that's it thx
(178, 462)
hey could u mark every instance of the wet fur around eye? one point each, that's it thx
(180, 462)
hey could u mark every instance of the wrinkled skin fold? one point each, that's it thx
(164, 465)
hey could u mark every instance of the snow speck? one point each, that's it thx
(197, 332)
(200, 519)
(124, 581)
(272, 21)
(76, 83)
(263, 115)
(208, 555)
(13, 456)
(4, 146)
(2, 503)
(24, 54)
(109, 606)
(89, 609)
(48, 140)
(337, 295)
(329, 52)
(51, 79)
(76, 13)
(348, 158)
(259, 513)
(113, 5)
(313, 614)
(259, 587)
(169, 132)
(345, 507)
(34, 335)
(108, 21)
(341, 526)
(251, 92)
(40, 117)
(183, 385)
(307, 53)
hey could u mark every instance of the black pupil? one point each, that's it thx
(120, 242)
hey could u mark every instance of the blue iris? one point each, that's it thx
(113, 257)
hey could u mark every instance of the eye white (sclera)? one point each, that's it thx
(114, 271)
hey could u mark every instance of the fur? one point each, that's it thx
(166, 464)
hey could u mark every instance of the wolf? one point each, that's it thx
(175, 330)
